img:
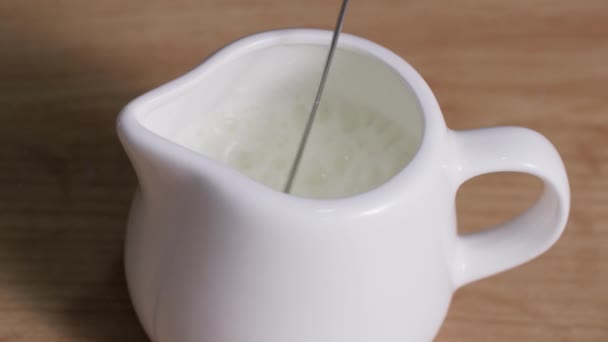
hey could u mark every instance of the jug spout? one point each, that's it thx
(160, 167)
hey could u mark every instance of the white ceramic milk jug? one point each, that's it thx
(213, 255)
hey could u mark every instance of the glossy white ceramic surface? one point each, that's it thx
(212, 256)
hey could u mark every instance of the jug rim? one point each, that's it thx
(130, 128)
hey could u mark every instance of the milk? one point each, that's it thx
(351, 149)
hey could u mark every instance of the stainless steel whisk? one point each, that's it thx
(334, 42)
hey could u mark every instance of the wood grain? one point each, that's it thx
(68, 66)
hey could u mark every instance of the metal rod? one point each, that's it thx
(315, 106)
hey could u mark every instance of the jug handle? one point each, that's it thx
(504, 246)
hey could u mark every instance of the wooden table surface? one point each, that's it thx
(68, 66)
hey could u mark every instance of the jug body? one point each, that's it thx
(236, 270)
